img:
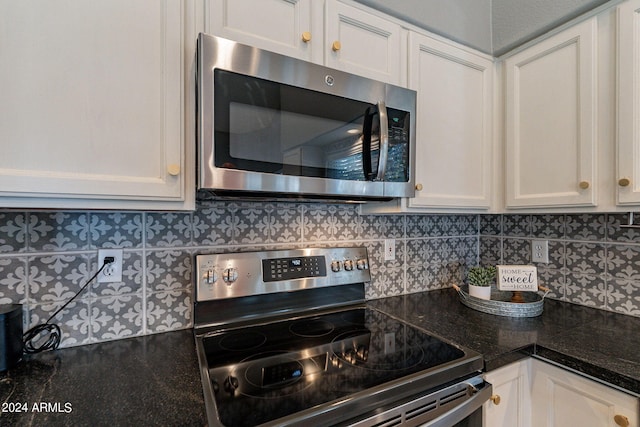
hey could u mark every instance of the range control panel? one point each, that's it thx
(232, 275)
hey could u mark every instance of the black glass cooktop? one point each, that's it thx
(265, 372)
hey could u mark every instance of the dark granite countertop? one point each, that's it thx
(150, 380)
(154, 380)
(598, 343)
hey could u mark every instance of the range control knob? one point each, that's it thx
(362, 264)
(350, 356)
(230, 275)
(335, 361)
(362, 352)
(348, 265)
(210, 276)
(230, 384)
(336, 266)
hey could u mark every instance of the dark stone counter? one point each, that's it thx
(154, 380)
(151, 380)
(601, 344)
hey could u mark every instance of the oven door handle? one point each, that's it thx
(480, 395)
(384, 141)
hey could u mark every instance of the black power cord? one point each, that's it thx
(33, 339)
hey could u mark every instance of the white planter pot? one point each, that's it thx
(482, 292)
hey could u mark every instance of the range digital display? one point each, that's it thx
(279, 269)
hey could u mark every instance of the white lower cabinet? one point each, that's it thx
(533, 393)
(562, 398)
(510, 403)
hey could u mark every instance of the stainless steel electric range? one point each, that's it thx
(286, 338)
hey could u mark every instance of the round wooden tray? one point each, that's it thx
(500, 303)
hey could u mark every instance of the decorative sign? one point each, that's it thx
(517, 278)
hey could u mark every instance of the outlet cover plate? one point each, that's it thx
(389, 250)
(112, 272)
(540, 251)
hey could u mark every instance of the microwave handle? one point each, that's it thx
(366, 145)
(384, 141)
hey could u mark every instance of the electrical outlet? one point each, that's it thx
(389, 343)
(540, 251)
(113, 271)
(389, 250)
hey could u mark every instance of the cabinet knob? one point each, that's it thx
(306, 37)
(419, 187)
(495, 399)
(584, 184)
(336, 46)
(173, 169)
(621, 420)
(624, 182)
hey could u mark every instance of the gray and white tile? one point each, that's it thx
(168, 270)
(168, 229)
(13, 232)
(58, 231)
(116, 230)
(586, 227)
(547, 226)
(116, 317)
(13, 280)
(169, 310)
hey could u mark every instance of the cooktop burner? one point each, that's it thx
(313, 360)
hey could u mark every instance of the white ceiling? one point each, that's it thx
(492, 26)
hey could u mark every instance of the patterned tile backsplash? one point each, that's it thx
(46, 256)
(593, 261)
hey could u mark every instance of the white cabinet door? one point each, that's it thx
(510, 403)
(92, 102)
(362, 43)
(628, 138)
(281, 26)
(561, 398)
(454, 136)
(551, 121)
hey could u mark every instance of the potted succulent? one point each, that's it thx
(480, 280)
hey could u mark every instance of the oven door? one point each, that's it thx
(273, 124)
(457, 405)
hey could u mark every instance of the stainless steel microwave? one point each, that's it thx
(275, 126)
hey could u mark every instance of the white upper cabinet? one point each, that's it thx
(92, 112)
(281, 26)
(454, 138)
(339, 35)
(362, 43)
(628, 138)
(551, 123)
